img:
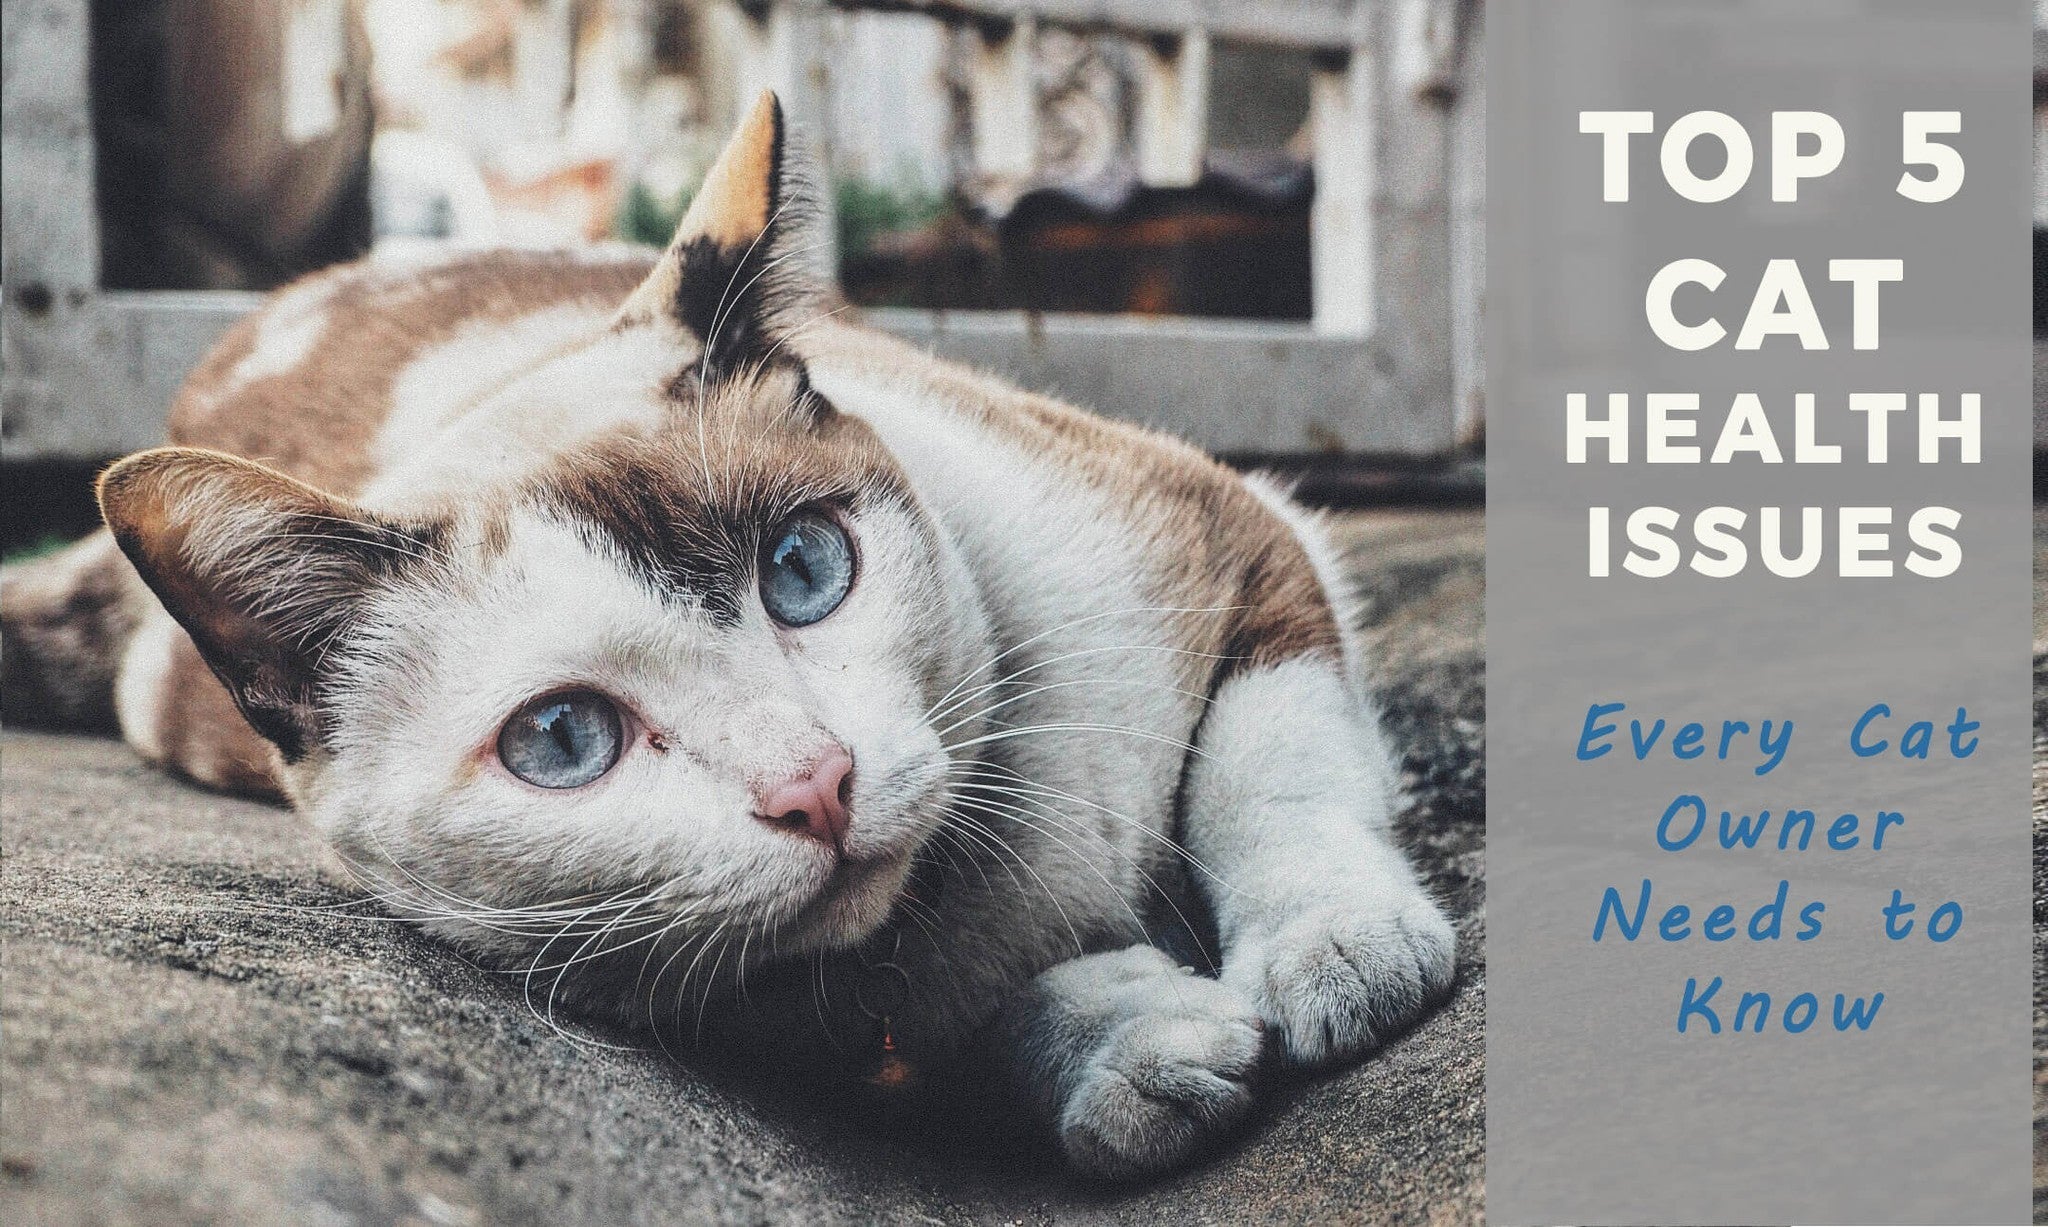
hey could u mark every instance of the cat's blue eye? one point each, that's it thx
(806, 568)
(562, 740)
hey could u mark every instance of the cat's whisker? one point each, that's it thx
(950, 848)
(623, 920)
(1025, 783)
(1030, 730)
(1019, 646)
(1037, 689)
(798, 331)
(1044, 796)
(470, 908)
(922, 915)
(703, 947)
(740, 966)
(496, 919)
(985, 845)
(1014, 678)
(995, 809)
(547, 1016)
(710, 984)
(933, 931)
(1080, 947)
(654, 985)
(818, 1003)
(526, 986)
(654, 942)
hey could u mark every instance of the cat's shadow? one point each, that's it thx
(964, 1135)
(967, 1135)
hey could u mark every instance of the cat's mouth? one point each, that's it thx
(857, 897)
(858, 889)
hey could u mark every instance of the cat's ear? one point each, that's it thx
(740, 268)
(263, 571)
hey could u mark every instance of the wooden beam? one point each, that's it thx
(1342, 110)
(1308, 25)
(1003, 101)
(1230, 386)
(1467, 198)
(787, 47)
(1173, 109)
(50, 244)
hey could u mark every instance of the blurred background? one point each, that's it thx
(555, 122)
(1254, 223)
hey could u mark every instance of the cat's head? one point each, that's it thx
(686, 676)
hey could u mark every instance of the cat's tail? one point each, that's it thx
(65, 620)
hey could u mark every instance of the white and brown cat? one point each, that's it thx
(741, 672)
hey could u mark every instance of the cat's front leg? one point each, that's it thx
(1324, 925)
(1134, 1061)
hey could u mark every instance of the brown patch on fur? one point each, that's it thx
(1225, 547)
(771, 445)
(318, 421)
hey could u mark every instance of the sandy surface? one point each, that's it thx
(199, 1027)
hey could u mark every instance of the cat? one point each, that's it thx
(638, 623)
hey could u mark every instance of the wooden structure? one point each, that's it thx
(1390, 363)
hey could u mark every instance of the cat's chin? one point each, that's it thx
(857, 899)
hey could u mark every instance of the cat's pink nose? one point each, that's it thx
(813, 802)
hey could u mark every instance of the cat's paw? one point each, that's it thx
(1162, 1084)
(1336, 981)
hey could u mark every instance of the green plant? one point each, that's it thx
(49, 543)
(645, 218)
(866, 211)
(870, 210)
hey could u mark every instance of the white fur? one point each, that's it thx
(734, 708)
(1137, 1061)
(501, 398)
(142, 685)
(290, 326)
(1324, 924)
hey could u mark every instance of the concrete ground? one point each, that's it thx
(198, 1027)
(2041, 863)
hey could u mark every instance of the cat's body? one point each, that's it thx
(1075, 661)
